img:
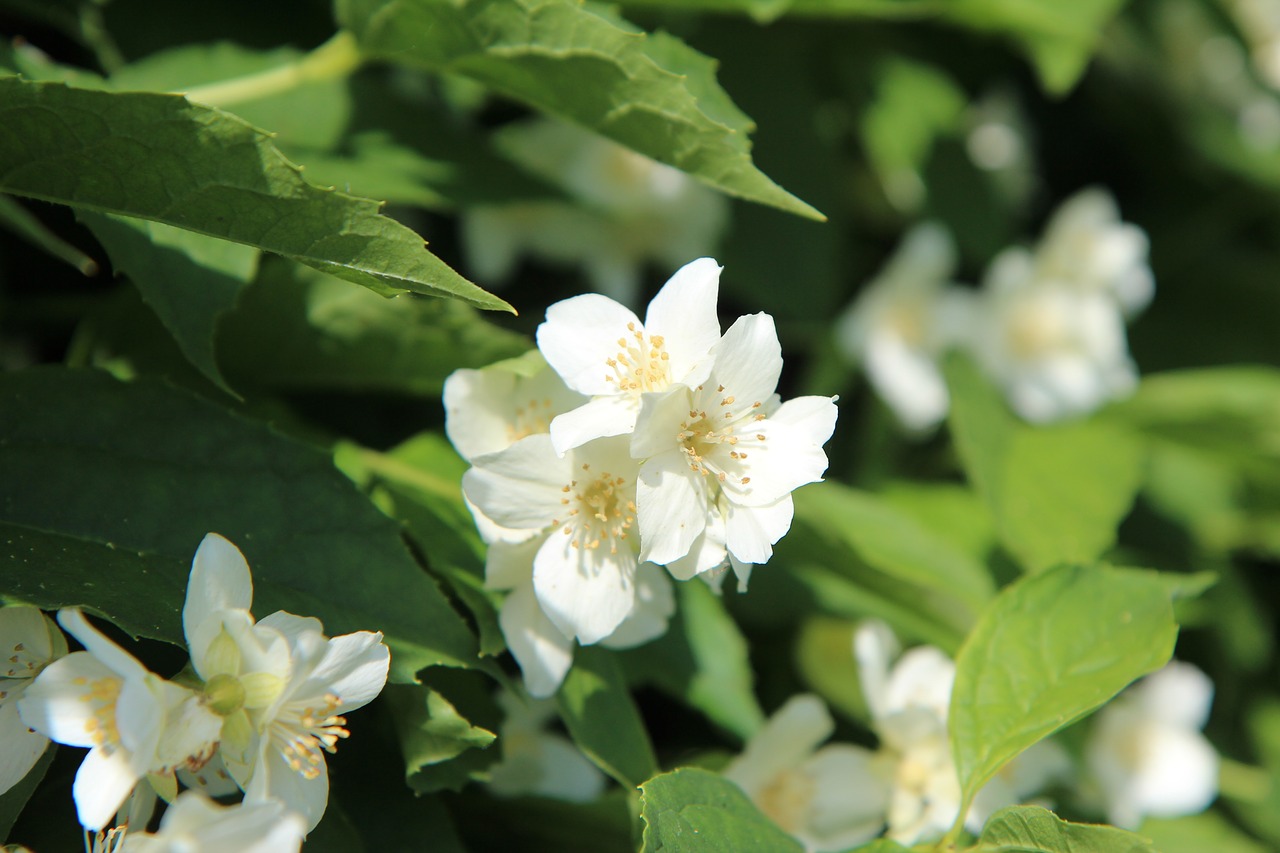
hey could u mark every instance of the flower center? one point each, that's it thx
(313, 730)
(533, 418)
(599, 510)
(641, 363)
(225, 694)
(703, 433)
(21, 664)
(1034, 329)
(101, 695)
(788, 798)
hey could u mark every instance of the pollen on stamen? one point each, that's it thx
(759, 436)
(746, 480)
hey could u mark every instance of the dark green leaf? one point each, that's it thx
(442, 749)
(695, 811)
(161, 158)
(22, 222)
(603, 720)
(139, 473)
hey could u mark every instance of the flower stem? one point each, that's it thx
(337, 57)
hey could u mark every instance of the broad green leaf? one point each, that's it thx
(765, 11)
(1048, 650)
(1031, 829)
(894, 543)
(1262, 814)
(603, 720)
(442, 748)
(1058, 493)
(191, 281)
(547, 825)
(1198, 833)
(881, 845)
(298, 329)
(702, 659)
(138, 473)
(648, 91)
(14, 800)
(950, 511)
(161, 158)
(22, 222)
(696, 811)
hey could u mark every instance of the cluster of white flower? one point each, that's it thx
(623, 209)
(1047, 326)
(1144, 753)
(264, 705)
(626, 447)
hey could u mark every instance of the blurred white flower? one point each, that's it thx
(623, 210)
(195, 824)
(601, 349)
(1057, 349)
(909, 696)
(30, 642)
(829, 797)
(134, 722)
(1146, 750)
(726, 448)
(536, 762)
(901, 323)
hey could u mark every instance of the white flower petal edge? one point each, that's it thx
(30, 642)
(195, 824)
(601, 349)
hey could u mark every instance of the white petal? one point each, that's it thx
(851, 795)
(276, 780)
(566, 772)
(193, 823)
(602, 417)
(672, 506)
(750, 532)
(140, 718)
(521, 486)
(1179, 694)
(57, 703)
(909, 381)
(707, 553)
(814, 418)
(658, 424)
(786, 740)
(301, 632)
(102, 784)
(20, 747)
(542, 650)
(97, 644)
(509, 565)
(586, 592)
(684, 313)
(579, 335)
(25, 633)
(748, 360)
(922, 678)
(655, 603)
(779, 463)
(741, 571)
(219, 580)
(354, 668)
(473, 401)
(875, 647)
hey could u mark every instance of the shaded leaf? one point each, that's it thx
(696, 811)
(603, 719)
(1031, 829)
(442, 748)
(22, 222)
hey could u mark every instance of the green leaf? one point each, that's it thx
(22, 222)
(695, 811)
(703, 659)
(1048, 650)
(603, 720)
(298, 329)
(1058, 493)
(161, 158)
(824, 658)
(442, 748)
(1198, 833)
(136, 474)
(648, 91)
(191, 281)
(1031, 829)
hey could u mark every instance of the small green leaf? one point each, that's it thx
(1058, 493)
(191, 281)
(702, 659)
(579, 61)
(138, 473)
(22, 222)
(442, 748)
(1048, 650)
(603, 719)
(161, 158)
(696, 811)
(1031, 829)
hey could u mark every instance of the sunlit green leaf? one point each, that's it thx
(648, 91)
(1197, 833)
(1031, 829)
(1048, 650)
(161, 158)
(136, 474)
(603, 719)
(695, 811)
(442, 748)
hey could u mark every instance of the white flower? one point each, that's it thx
(828, 798)
(195, 824)
(629, 209)
(536, 762)
(584, 566)
(1057, 350)
(909, 703)
(30, 642)
(1087, 246)
(134, 722)
(601, 349)
(902, 322)
(1147, 752)
(726, 447)
(281, 684)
